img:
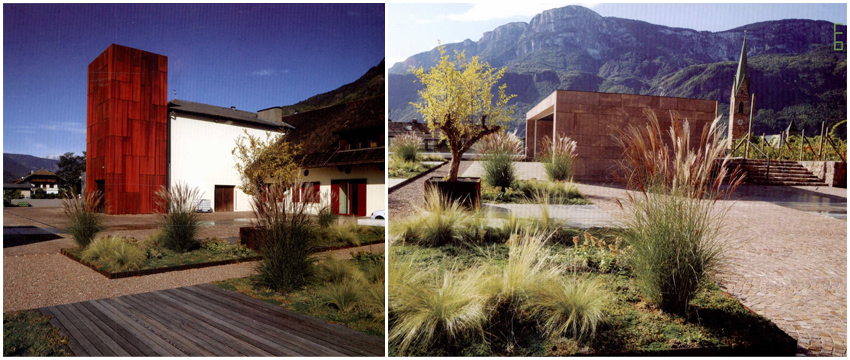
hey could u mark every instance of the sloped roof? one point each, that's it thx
(39, 172)
(245, 117)
(419, 129)
(318, 132)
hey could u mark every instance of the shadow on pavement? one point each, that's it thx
(25, 235)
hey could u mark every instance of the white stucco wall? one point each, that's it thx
(201, 155)
(373, 173)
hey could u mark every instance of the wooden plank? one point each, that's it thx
(295, 340)
(235, 331)
(210, 348)
(123, 336)
(145, 336)
(366, 344)
(309, 339)
(88, 330)
(208, 330)
(73, 344)
(86, 345)
(169, 335)
(107, 336)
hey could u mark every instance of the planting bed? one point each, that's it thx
(528, 192)
(716, 324)
(313, 299)
(196, 259)
(29, 333)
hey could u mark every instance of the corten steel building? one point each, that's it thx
(137, 142)
(591, 119)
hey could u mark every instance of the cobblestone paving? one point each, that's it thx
(787, 265)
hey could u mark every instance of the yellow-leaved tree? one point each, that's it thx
(262, 161)
(458, 102)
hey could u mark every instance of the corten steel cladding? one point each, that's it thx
(127, 128)
(466, 191)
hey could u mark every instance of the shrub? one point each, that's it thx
(434, 307)
(406, 147)
(558, 161)
(84, 221)
(114, 253)
(569, 307)
(673, 224)
(498, 150)
(287, 240)
(180, 223)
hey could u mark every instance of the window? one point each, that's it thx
(740, 108)
(309, 192)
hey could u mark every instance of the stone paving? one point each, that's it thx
(785, 264)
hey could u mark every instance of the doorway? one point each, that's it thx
(348, 197)
(224, 198)
(101, 188)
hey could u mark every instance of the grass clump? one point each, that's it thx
(287, 240)
(525, 191)
(558, 161)
(673, 222)
(180, 223)
(498, 150)
(29, 333)
(406, 147)
(114, 254)
(84, 220)
(572, 307)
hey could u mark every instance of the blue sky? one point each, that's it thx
(413, 28)
(251, 56)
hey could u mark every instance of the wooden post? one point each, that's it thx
(802, 140)
(822, 139)
(750, 127)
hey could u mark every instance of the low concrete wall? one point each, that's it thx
(833, 173)
(40, 202)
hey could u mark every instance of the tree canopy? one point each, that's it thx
(458, 102)
(70, 169)
(260, 161)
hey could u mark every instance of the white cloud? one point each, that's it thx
(493, 11)
(395, 59)
(264, 72)
(67, 126)
(54, 157)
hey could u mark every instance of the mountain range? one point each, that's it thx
(370, 84)
(16, 166)
(795, 73)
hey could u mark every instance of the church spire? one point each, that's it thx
(741, 74)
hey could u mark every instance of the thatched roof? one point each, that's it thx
(318, 132)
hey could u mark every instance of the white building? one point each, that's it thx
(201, 140)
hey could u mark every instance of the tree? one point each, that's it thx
(458, 102)
(70, 169)
(259, 161)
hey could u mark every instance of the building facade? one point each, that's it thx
(591, 119)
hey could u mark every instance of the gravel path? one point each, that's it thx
(403, 201)
(787, 265)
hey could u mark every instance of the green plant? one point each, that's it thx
(287, 240)
(441, 221)
(434, 307)
(336, 271)
(406, 147)
(84, 221)
(29, 333)
(345, 295)
(180, 223)
(558, 161)
(498, 150)
(114, 253)
(674, 223)
(569, 307)
(326, 217)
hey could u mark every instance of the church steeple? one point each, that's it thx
(740, 101)
(741, 74)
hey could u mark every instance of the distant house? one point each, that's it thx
(25, 188)
(41, 179)
(344, 154)
(431, 141)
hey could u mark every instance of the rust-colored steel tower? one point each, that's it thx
(127, 128)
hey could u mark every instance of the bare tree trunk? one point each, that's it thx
(456, 157)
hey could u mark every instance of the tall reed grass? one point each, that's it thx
(674, 222)
(558, 161)
(498, 151)
(84, 220)
(406, 147)
(180, 223)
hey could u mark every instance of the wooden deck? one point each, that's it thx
(202, 320)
